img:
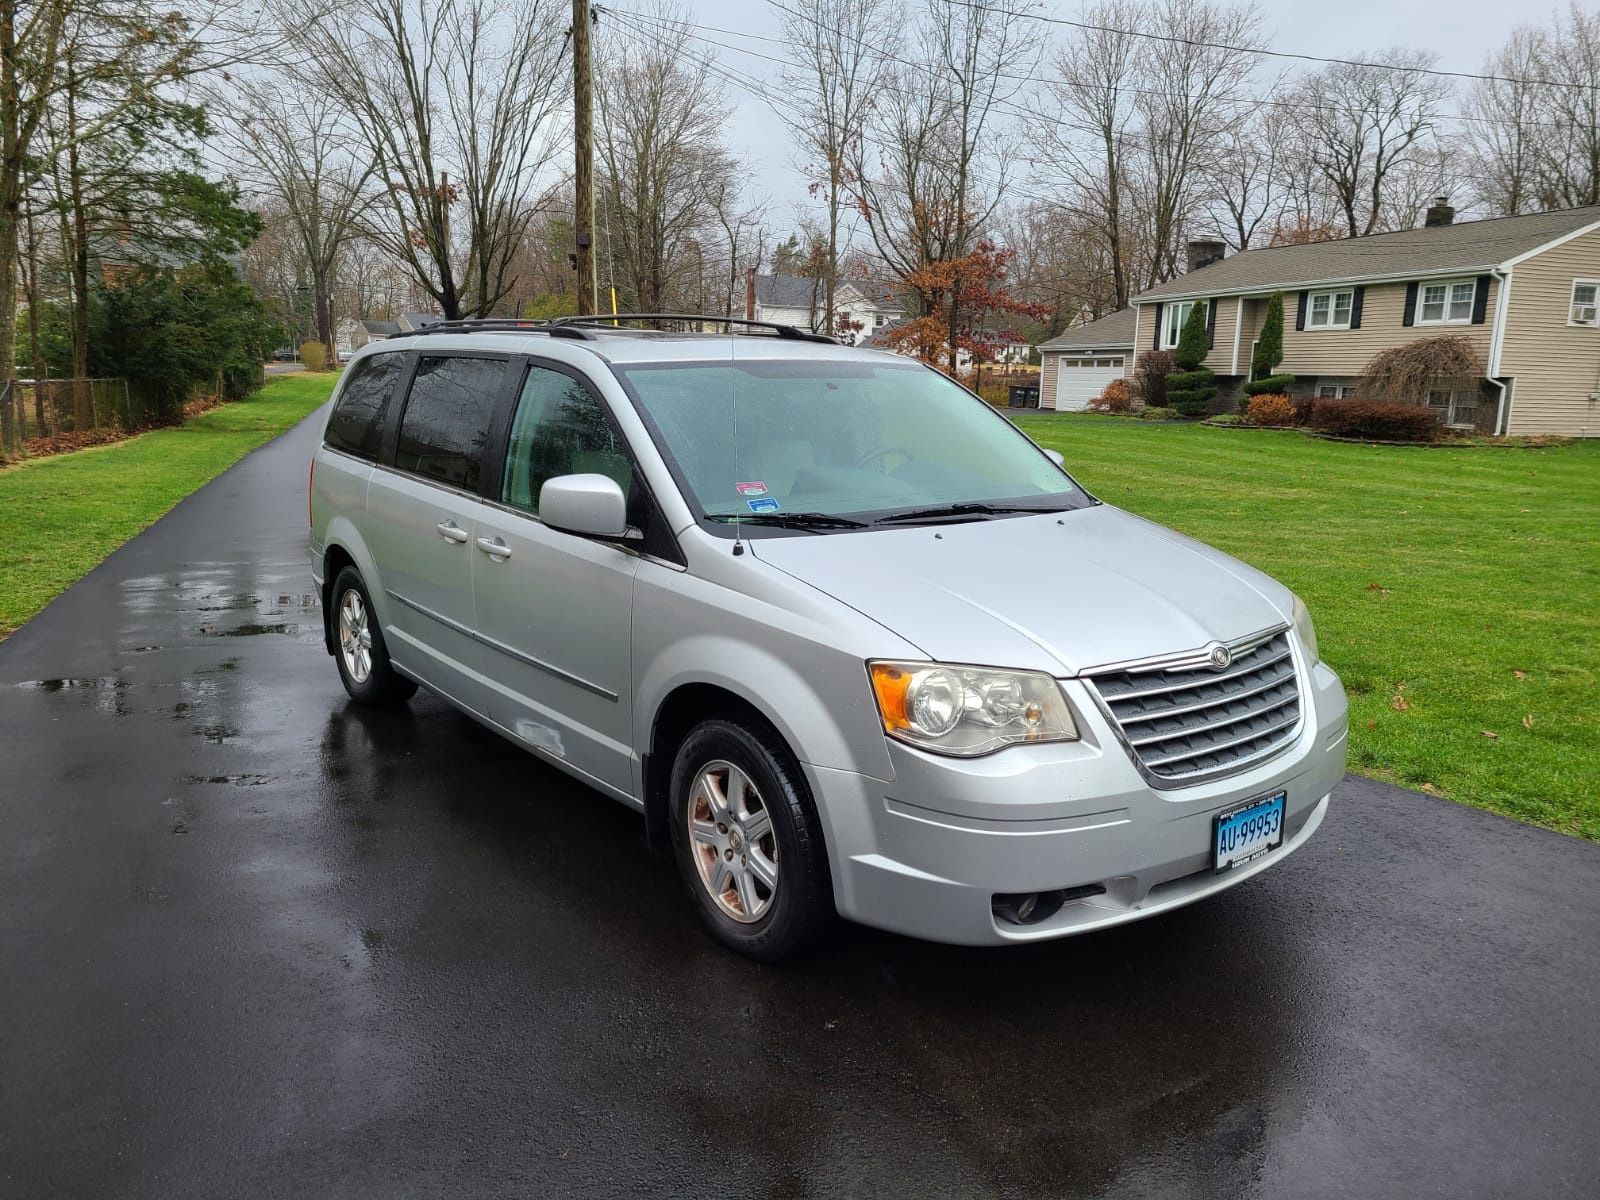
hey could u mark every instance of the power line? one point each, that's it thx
(1176, 39)
(1252, 102)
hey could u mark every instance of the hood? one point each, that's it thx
(1056, 592)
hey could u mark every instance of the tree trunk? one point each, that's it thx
(83, 415)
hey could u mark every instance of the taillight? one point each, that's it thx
(311, 487)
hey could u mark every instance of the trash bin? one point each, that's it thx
(1024, 397)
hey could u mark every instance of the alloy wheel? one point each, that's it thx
(355, 636)
(731, 837)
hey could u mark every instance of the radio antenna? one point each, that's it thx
(733, 406)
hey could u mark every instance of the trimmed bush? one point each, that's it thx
(1268, 353)
(1376, 419)
(314, 355)
(1159, 412)
(1270, 410)
(1191, 386)
(1229, 419)
(1115, 399)
(1271, 385)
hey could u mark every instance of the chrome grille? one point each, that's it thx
(1187, 721)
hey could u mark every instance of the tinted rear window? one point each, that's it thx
(357, 423)
(446, 423)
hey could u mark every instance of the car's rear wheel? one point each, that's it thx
(749, 848)
(359, 648)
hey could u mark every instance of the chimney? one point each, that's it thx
(750, 294)
(1205, 251)
(1440, 214)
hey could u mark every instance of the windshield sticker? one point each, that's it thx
(753, 488)
(765, 504)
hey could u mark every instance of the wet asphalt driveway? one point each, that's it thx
(256, 942)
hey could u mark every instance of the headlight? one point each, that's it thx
(1307, 632)
(968, 711)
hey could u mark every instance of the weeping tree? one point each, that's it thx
(1191, 386)
(1406, 374)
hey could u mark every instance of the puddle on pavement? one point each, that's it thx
(245, 780)
(74, 685)
(217, 733)
(250, 630)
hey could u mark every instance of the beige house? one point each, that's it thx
(1075, 366)
(1525, 290)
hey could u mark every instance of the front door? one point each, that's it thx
(423, 509)
(555, 609)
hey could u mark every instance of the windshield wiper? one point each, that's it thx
(973, 509)
(794, 520)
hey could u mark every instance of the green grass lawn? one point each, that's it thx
(62, 515)
(1456, 591)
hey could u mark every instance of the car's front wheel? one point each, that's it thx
(359, 648)
(748, 845)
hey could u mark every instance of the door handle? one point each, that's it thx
(451, 532)
(494, 548)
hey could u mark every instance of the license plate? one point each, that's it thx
(1243, 834)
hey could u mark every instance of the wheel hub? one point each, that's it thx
(732, 841)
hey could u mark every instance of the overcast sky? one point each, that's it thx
(1462, 33)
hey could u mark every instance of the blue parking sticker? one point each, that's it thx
(765, 504)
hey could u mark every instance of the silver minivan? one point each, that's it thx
(848, 640)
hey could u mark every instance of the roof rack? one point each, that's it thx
(606, 320)
(497, 325)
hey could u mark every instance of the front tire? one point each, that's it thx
(359, 648)
(748, 845)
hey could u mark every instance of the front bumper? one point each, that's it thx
(926, 853)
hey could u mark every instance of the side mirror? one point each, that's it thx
(1056, 457)
(590, 505)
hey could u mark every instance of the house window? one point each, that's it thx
(1330, 310)
(1447, 303)
(1173, 318)
(1585, 302)
(1455, 406)
(1335, 391)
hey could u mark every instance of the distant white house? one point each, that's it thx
(1002, 351)
(799, 301)
(351, 334)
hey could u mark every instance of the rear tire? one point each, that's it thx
(748, 845)
(359, 648)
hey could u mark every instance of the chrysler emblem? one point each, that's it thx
(1220, 657)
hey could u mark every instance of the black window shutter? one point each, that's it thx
(1211, 326)
(1156, 344)
(1480, 300)
(1355, 307)
(1300, 312)
(1410, 317)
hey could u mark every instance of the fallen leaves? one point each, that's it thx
(1527, 721)
(1377, 587)
(1400, 704)
(1490, 734)
(1519, 674)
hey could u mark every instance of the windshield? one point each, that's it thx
(838, 438)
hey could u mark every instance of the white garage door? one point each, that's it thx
(1080, 380)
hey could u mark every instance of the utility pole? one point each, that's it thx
(583, 135)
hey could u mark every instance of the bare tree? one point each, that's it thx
(1196, 84)
(1246, 174)
(660, 161)
(456, 104)
(1095, 86)
(1569, 172)
(932, 169)
(1368, 121)
(831, 83)
(284, 144)
(1504, 131)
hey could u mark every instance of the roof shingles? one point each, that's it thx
(1468, 246)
